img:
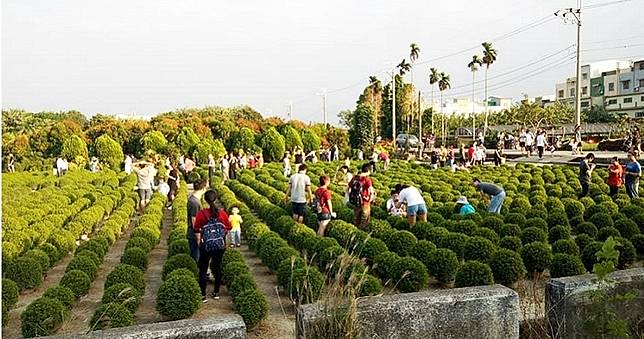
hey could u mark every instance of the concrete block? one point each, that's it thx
(471, 312)
(229, 326)
(568, 305)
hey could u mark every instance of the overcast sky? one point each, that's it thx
(151, 56)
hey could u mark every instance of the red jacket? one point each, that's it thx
(615, 175)
(202, 218)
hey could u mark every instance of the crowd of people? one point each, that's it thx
(619, 175)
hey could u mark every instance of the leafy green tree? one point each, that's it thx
(242, 139)
(361, 132)
(153, 141)
(533, 116)
(109, 151)
(310, 140)
(598, 114)
(292, 138)
(187, 140)
(75, 149)
(208, 146)
(272, 144)
(345, 117)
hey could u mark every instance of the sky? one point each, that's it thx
(145, 57)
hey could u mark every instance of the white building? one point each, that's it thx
(465, 106)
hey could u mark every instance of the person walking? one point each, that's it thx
(211, 167)
(384, 157)
(577, 147)
(127, 164)
(225, 168)
(299, 191)
(93, 165)
(194, 206)
(11, 163)
(529, 142)
(173, 182)
(361, 195)
(636, 138)
(234, 166)
(345, 179)
(323, 206)
(541, 142)
(632, 174)
(287, 164)
(496, 193)
(413, 199)
(210, 228)
(145, 173)
(61, 166)
(615, 176)
(235, 222)
(586, 167)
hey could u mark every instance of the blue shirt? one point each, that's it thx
(635, 167)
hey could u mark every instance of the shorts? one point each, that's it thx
(299, 208)
(324, 216)
(145, 193)
(416, 209)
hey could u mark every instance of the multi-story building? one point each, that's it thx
(465, 106)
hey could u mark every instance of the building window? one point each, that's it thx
(584, 76)
(611, 86)
(584, 104)
(639, 114)
(642, 81)
(641, 66)
(561, 93)
(642, 98)
(612, 102)
(584, 90)
(626, 84)
(628, 100)
(572, 92)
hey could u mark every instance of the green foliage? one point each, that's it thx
(244, 139)
(507, 266)
(587, 228)
(532, 234)
(41, 257)
(77, 281)
(361, 133)
(109, 151)
(128, 274)
(25, 272)
(61, 293)
(75, 149)
(153, 141)
(558, 233)
(409, 275)
(135, 257)
(206, 147)
(233, 269)
(179, 296)
(564, 265)
(180, 261)
(306, 285)
(627, 253)
(272, 144)
(565, 246)
(123, 294)
(511, 243)
(9, 293)
(242, 283)
(443, 265)
(187, 140)
(474, 273)
(292, 138)
(401, 242)
(310, 141)
(139, 242)
(479, 249)
(589, 255)
(536, 256)
(111, 315)
(369, 286)
(84, 264)
(42, 317)
(180, 246)
(52, 252)
(252, 306)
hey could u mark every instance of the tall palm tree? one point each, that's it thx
(434, 77)
(489, 57)
(413, 56)
(443, 84)
(474, 66)
(404, 67)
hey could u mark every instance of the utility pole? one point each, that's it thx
(393, 106)
(323, 94)
(290, 110)
(574, 15)
(420, 120)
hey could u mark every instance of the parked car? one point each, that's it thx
(402, 139)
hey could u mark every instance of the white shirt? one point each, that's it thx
(411, 196)
(529, 138)
(224, 163)
(541, 140)
(287, 162)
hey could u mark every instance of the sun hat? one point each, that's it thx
(462, 200)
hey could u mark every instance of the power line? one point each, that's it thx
(605, 4)
(612, 47)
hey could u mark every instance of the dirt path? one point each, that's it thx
(147, 311)
(13, 328)
(82, 313)
(280, 322)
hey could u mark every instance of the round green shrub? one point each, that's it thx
(77, 281)
(93, 245)
(509, 230)
(638, 242)
(328, 257)
(573, 208)
(229, 256)
(536, 223)
(252, 306)
(111, 315)
(493, 223)
(537, 212)
(325, 243)
(557, 218)
(515, 218)
(384, 264)
(286, 267)
(84, 264)
(627, 228)
(557, 233)
(437, 234)
(455, 242)
(510, 243)
(601, 220)
(606, 232)
(61, 293)
(41, 257)
(465, 227)
(532, 234)
(147, 233)
(89, 254)
(241, 283)
(233, 269)
(488, 234)
(371, 248)
(179, 297)
(536, 256)
(474, 273)
(479, 249)
(139, 242)
(25, 272)
(305, 285)
(280, 254)
(409, 275)
(565, 246)
(507, 266)
(422, 250)
(587, 228)
(443, 265)
(122, 294)
(422, 230)
(136, 257)
(42, 317)
(63, 240)
(179, 261)
(52, 252)
(627, 253)
(401, 242)
(9, 293)
(369, 286)
(564, 265)
(128, 274)
(589, 255)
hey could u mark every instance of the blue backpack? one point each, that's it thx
(214, 235)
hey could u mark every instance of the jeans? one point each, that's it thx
(496, 203)
(613, 190)
(212, 259)
(585, 187)
(416, 209)
(632, 188)
(192, 242)
(540, 151)
(235, 236)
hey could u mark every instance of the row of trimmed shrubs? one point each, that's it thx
(44, 315)
(125, 284)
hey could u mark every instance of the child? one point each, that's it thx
(394, 206)
(235, 221)
(164, 188)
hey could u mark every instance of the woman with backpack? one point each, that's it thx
(210, 227)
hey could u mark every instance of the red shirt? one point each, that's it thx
(202, 218)
(615, 175)
(368, 194)
(470, 152)
(324, 196)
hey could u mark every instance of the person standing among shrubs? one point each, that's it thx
(632, 175)
(323, 206)
(416, 208)
(235, 222)
(145, 173)
(463, 207)
(173, 182)
(541, 142)
(615, 174)
(496, 193)
(361, 195)
(299, 186)
(586, 167)
(210, 228)
(194, 205)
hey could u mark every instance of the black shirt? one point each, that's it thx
(194, 205)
